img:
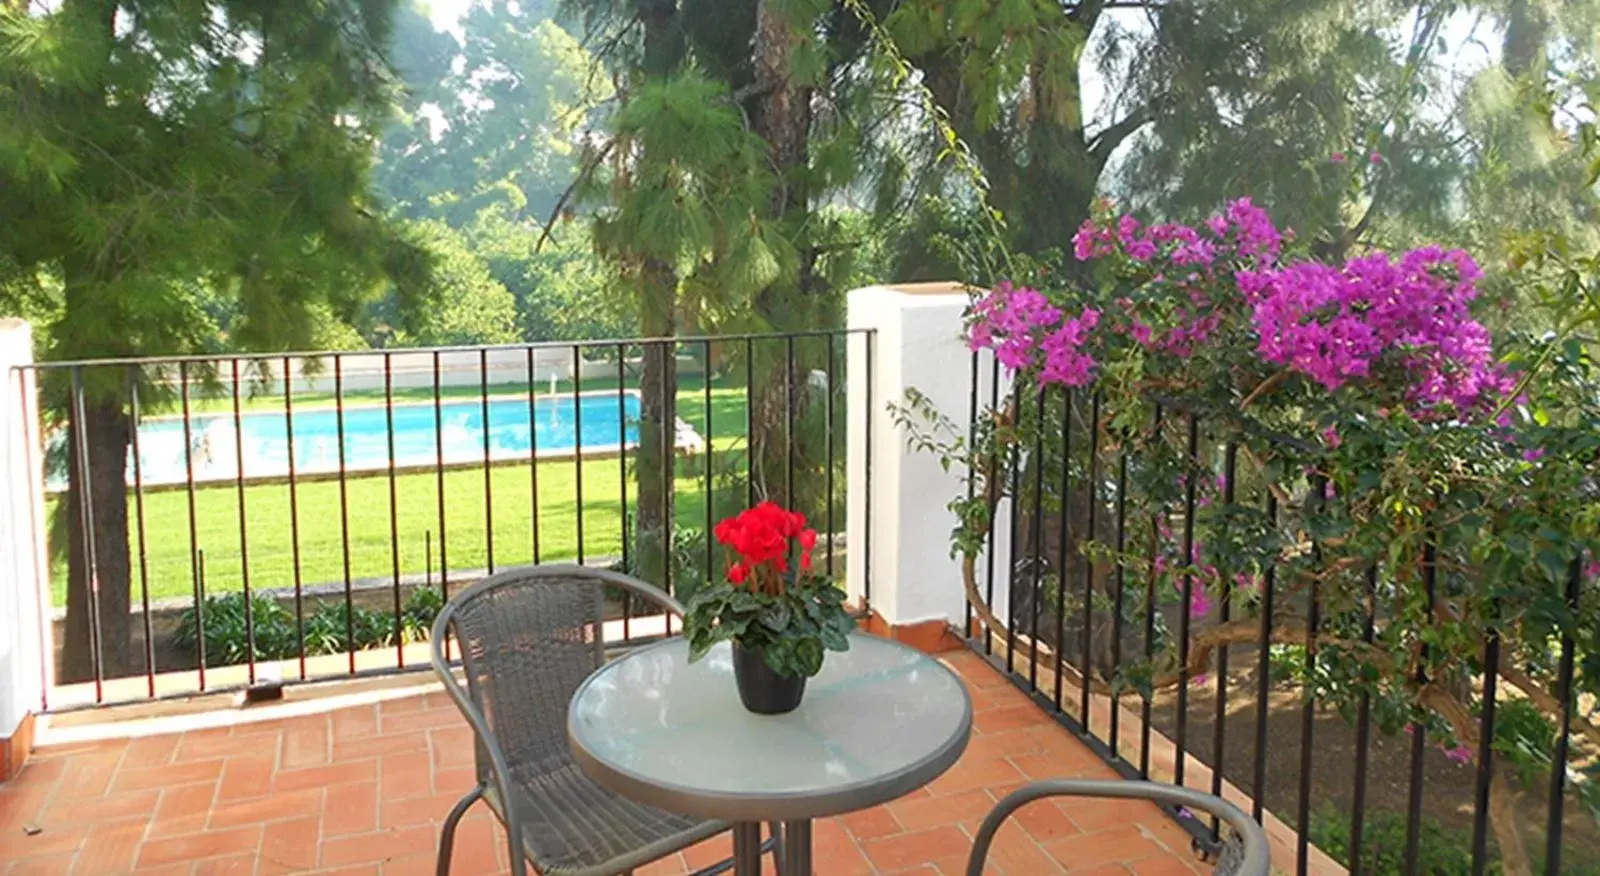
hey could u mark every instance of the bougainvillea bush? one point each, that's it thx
(1418, 492)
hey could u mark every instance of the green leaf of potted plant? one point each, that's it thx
(779, 615)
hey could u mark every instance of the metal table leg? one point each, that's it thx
(796, 859)
(747, 848)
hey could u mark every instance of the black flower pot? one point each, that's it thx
(761, 689)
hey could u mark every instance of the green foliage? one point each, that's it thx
(472, 309)
(501, 108)
(688, 559)
(792, 629)
(219, 170)
(1440, 852)
(226, 639)
(274, 634)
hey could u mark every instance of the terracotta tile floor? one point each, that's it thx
(362, 790)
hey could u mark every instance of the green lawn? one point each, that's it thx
(322, 556)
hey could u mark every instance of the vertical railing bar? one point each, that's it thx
(1491, 677)
(438, 474)
(41, 604)
(871, 340)
(1118, 598)
(1308, 714)
(244, 537)
(1258, 791)
(827, 429)
(201, 560)
(1230, 465)
(750, 422)
(1013, 458)
(1358, 805)
(344, 515)
(85, 498)
(1191, 475)
(1036, 536)
(1554, 821)
(622, 486)
(394, 511)
(488, 477)
(577, 442)
(988, 574)
(710, 455)
(1430, 580)
(669, 460)
(194, 528)
(138, 503)
(788, 422)
(971, 475)
(294, 518)
(1088, 566)
(533, 458)
(1146, 704)
(1064, 535)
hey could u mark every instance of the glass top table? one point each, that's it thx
(879, 721)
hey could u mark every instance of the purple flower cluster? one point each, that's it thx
(1012, 321)
(1023, 329)
(1334, 323)
(1243, 229)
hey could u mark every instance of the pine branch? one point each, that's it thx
(561, 202)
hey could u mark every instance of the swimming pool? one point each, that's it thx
(265, 436)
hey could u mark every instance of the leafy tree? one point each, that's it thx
(687, 181)
(151, 151)
(1358, 123)
(472, 307)
(499, 108)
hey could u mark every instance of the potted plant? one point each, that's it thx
(779, 615)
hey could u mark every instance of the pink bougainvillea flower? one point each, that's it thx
(1337, 158)
(1375, 158)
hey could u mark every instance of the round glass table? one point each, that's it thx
(879, 721)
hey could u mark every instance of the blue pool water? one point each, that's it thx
(265, 436)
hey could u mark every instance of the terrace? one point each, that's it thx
(358, 782)
(260, 577)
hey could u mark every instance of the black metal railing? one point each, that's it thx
(313, 490)
(1273, 734)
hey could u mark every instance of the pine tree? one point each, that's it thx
(148, 148)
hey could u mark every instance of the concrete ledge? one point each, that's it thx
(930, 636)
(14, 749)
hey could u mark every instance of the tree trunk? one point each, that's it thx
(1527, 28)
(105, 434)
(781, 115)
(658, 419)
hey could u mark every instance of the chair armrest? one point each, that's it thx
(1257, 855)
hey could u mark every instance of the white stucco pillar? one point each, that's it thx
(23, 562)
(918, 344)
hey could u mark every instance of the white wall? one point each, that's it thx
(919, 345)
(364, 371)
(23, 562)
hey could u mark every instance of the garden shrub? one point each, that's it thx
(326, 627)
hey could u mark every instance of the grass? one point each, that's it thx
(321, 540)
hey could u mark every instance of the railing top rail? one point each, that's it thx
(459, 348)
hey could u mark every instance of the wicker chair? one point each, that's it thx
(528, 637)
(1244, 850)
